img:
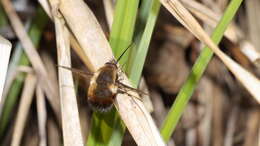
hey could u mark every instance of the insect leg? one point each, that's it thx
(124, 91)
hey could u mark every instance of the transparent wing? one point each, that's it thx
(77, 71)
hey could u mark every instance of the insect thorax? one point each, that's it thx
(102, 84)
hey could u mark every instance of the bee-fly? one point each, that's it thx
(104, 85)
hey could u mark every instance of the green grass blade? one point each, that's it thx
(101, 129)
(35, 32)
(123, 27)
(148, 17)
(198, 69)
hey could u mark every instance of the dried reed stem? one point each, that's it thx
(109, 11)
(24, 106)
(42, 116)
(5, 50)
(69, 109)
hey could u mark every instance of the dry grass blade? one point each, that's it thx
(252, 8)
(250, 51)
(33, 56)
(42, 116)
(69, 109)
(88, 33)
(137, 119)
(109, 10)
(250, 82)
(211, 18)
(24, 106)
(5, 50)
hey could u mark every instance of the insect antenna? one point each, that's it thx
(77, 71)
(124, 52)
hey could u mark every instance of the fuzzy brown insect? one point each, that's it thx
(104, 86)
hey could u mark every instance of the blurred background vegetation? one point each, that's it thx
(216, 109)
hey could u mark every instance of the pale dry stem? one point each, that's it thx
(251, 52)
(109, 11)
(24, 107)
(69, 109)
(42, 116)
(5, 50)
(211, 18)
